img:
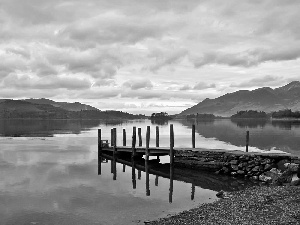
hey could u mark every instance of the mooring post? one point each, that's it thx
(114, 167)
(124, 168)
(247, 140)
(193, 136)
(115, 138)
(124, 137)
(112, 137)
(171, 144)
(147, 142)
(133, 141)
(99, 152)
(157, 136)
(140, 136)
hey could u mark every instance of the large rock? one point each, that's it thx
(280, 164)
(265, 178)
(285, 177)
(292, 167)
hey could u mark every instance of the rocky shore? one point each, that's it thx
(256, 205)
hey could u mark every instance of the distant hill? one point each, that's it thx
(49, 109)
(262, 99)
(76, 106)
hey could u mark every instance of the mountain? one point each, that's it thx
(262, 99)
(49, 109)
(76, 106)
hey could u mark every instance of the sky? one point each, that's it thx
(144, 56)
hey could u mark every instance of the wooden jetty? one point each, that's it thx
(138, 151)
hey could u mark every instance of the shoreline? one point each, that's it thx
(254, 205)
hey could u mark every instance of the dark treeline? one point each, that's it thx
(160, 115)
(287, 113)
(201, 116)
(63, 114)
(250, 114)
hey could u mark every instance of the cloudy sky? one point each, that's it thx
(142, 56)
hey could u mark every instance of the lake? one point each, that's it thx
(49, 169)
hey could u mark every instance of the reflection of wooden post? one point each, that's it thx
(171, 183)
(114, 166)
(171, 144)
(157, 136)
(147, 142)
(193, 191)
(139, 174)
(147, 178)
(193, 136)
(133, 173)
(247, 140)
(124, 137)
(133, 141)
(156, 180)
(140, 136)
(124, 168)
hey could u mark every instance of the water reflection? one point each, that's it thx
(204, 180)
(250, 123)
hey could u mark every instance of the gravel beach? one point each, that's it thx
(255, 205)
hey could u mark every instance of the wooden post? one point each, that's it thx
(124, 137)
(157, 136)
(124, 168)
(99, 152)
(171, 144)
(193, 136)
(140, 136)
(147, 142)
(112, 137)
(115, 137)
(139, 174)
(133, 141)
(247, 140)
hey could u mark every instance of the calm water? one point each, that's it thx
(49, 170)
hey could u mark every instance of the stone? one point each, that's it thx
(268, 167)
(234, 167)
(292, 166)
(225, 170)
(255, 169)
(273, 173)
(233, 162)
(254, 178)
(265, 178)
(233, 173)
(240, 172)
(280, 164)
(295, 182)
(285, 177)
